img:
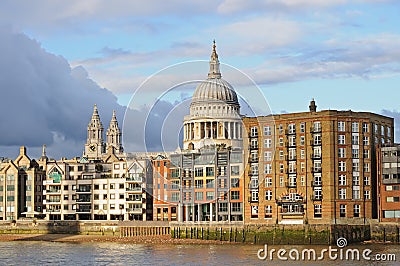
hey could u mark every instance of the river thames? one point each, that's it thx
(59, 253)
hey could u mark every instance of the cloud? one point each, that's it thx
(44, 101)
(367, 57)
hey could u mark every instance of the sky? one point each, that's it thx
(144, 59)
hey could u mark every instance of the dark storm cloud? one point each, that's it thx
(43, 100)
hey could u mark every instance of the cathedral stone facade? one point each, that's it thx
(214, 117)
(95, 148)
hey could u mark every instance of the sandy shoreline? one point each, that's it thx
(165, 239)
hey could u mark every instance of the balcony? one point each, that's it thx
(135, 179)
(316, 197)
(134, 210)
(135, 189)
(391, 181)
(53, 190)
(88, 200)
(316, 183)
(88, 210)
(290, 201)
(53, 201)
(136, 199)
(83, 190)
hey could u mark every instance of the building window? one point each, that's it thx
(280, 129)
(198, 171)
(354, 127)
(254, 195)
(342, 209)
(366, 154)
(210, 195)
(281, 168)
(254, 144)
(254, 211)
(268, 169)
(267, 143)
(365, 140)
(341, 139)
(342, 166)
(302, 181)
(268, 182)
(235, 170)
(199, 196)
(355, 153)
(356, 210)
(342, 152)
(280, 155)
(366, 181)
(235, 195)
(268, 212)
(254, 132)
(198, 183)
(342, 180)
(317, 139)
(209, 171)
(342, 193)
(268, 156)
(356, 193)
(235, 182)
(302, 140)
(365, 127)
(281, 142)
(267, 131)
(355, 139)
(268, 195)
(317, 211)
(209, 183)
(341, 126)
(367, 195)
(356, 180)
(356, 166)
(292, 128)
(281, 181)
(366, 167)
(302, 127)
(302, 154)
(254, 169)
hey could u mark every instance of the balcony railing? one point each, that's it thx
(83, 190)
(83, 210)
(134, 210)
(391, 181)
(135, 179)
(84, 200)
(53, 191)
(135, 189)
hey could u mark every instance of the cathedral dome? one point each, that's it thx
(215, 88)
